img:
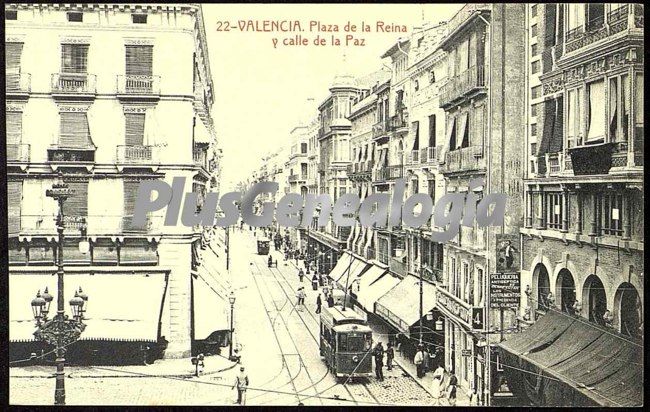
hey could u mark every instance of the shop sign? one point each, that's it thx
(505, 290)
(466, 352)
(507, 258)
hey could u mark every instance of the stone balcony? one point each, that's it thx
(468, 83)
(464, 160)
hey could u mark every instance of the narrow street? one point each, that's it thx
(281, 341)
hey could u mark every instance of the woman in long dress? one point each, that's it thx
(437, 387)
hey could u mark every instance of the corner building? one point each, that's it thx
(109, 95)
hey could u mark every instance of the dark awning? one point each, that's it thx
(400, 306)
(566, 361)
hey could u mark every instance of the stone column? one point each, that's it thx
(565, 209)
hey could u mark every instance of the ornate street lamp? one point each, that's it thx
(48, 299)
(231, 299)
(60, 331)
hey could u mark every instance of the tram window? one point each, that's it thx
(368, 342)
(355, 344)
(343, 342)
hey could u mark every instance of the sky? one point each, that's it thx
(262, 91)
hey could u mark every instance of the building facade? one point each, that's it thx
(94, 93)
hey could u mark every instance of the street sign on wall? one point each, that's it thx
(505, 290)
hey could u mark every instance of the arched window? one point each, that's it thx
(630, 310)
(542, 288)
(565, 291)
(596, 299)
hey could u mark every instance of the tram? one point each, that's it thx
(345, 342)
(263, 246)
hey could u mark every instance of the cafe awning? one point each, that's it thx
(566, 361)
(372, 285)
(347, 276)
(400, 306)
(211, 306)
(121, 307)
(341, 265)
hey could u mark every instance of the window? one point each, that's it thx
(533, 129)
(573, 117)
(536, 92)
(14, 197)
(139, 18)
(130, 193)
(533, 30)
(14, 134)
(74, 131)
(534, 50)
(432, 130)
(416, 130)
(619, 108)
(533, 110)
(479, 287)
(74, 58)
(303, 148)
(554, 210)
(13, 56)
(139, 60)
(535, 66)
(134, 135)
(468, 284)
(76, 205)
(609, 209)
(533, 149)
(416, 85)
(432, 76)
(596, 111)
(11, 14)
(75, 16)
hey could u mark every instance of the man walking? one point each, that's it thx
(419, 361)
(319, 303)
(242, 384)
(390, 354)
(301, 275)
(379, 361)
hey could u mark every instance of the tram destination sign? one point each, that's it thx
(505, 290)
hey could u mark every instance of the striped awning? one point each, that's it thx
(121, 307)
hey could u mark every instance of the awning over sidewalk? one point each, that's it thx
(211, 306)
(401, 305)
(346, 276)
(374, 284)
(567, 361)
(121, 307)
(341, 265)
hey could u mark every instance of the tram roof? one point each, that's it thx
(352, 327)
(339, 315)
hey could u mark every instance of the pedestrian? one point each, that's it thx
(270, 260)
(241, 383)
(301, 297)
(314, 282)
(419, 361)
(398, 339)
(319, 303)
(301, 274)
(451, 389)
(390, 354)
(378, 353)
(330, 300)
(436, 386)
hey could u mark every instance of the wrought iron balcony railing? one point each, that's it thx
(128, 154)
(399, 121)
(379, 129)
(59, 153)
(394, 172)
(74, 83)
(17, 152)
(465, 159)
(18, 82)
(93, 224)
(457, 87)
(138, 85)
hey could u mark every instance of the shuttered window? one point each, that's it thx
(134, 129)
(14, 197)
(416, 130)
(130, 193)
(14, 127)
(74, 131)
(432, 130)
(74, 58)
(76, 205)
(12, 64)
(139, 60)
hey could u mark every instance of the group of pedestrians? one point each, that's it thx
(378, 353)
(445, 386)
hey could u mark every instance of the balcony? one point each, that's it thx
(379, 130)
(138, 86)
(297, 178)
(463, 160)
(432, 154)
(60, 154)
(18, 84)
(399, 122)
(95, 225)
(129, 154)
(200, 157)
(618, 20)
(18, 153)
(74, 84)
(413, 157)
(469, 82)
(463, 16)
(394, 172)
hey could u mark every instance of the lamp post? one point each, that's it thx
(59, 331)
(231, 299)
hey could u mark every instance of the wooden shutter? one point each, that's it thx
(134, 129)
(14, 127)
(550, 11)
(432, 130)
(14, 197)
(76, 206)
(557, 142)
(13, 54)
(74, 131)
(416, 141)
(74, 58)
(139, 60)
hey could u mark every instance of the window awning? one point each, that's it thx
(566, 361)
(374, 284)
(211, 308)
(201, 133)
(358, 267)
(341, 265)
(120, 307)
(401, 305)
